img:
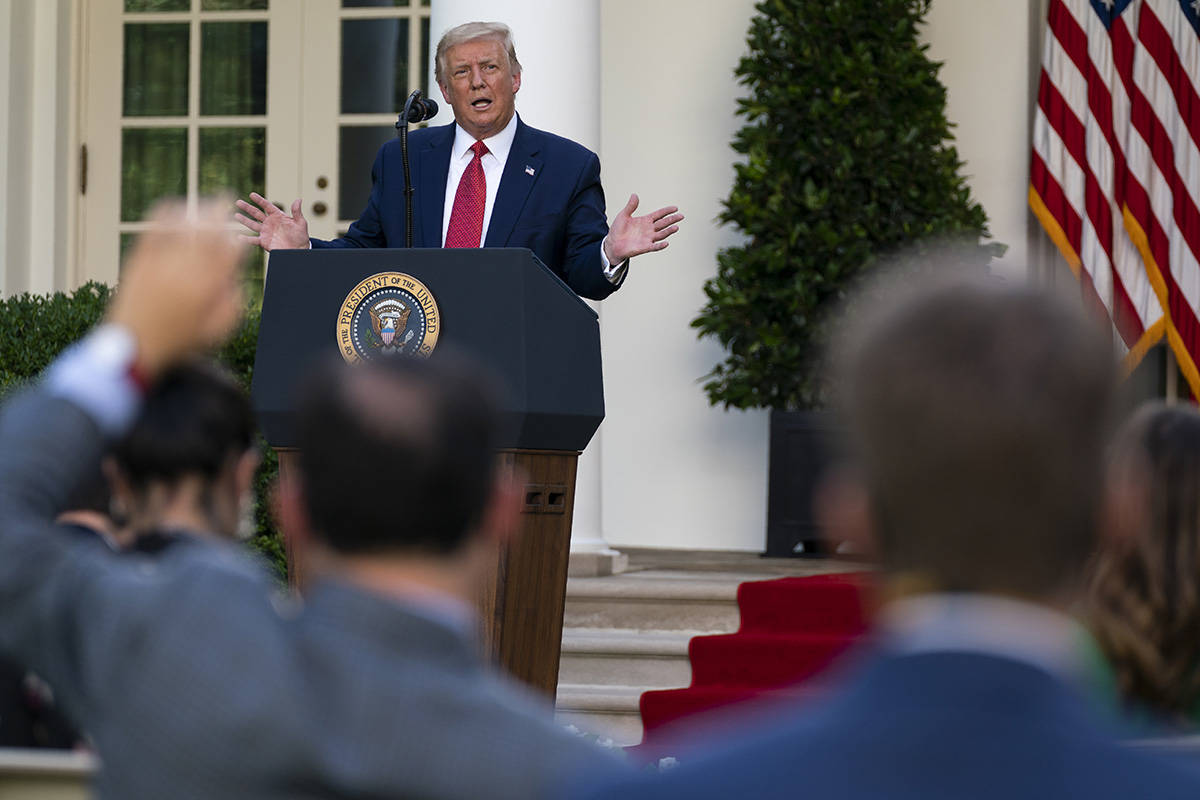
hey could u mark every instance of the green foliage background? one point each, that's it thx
(34, 329)
(846, 158)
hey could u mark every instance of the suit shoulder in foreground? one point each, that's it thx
(949, 725)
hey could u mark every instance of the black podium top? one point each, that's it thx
(501, 306)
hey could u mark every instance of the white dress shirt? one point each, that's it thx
(989, 625)
(493, 163)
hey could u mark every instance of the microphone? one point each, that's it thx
(418, 109)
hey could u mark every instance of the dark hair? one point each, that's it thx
(1144, 604)
(194, 418)
(91, 494)
(978, 413)
(397, 455)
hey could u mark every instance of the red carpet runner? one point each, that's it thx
(791, 628)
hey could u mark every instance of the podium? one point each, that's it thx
(505, 309)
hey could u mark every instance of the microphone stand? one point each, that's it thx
(402, 132)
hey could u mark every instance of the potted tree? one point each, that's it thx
(846, 157)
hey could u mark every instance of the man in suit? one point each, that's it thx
(977, 417)
(523, 188)
(194, 677)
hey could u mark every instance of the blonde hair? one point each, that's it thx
(469, 32)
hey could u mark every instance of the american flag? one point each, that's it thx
(1115, 171)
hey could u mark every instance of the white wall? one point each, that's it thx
(990, 53)
(37, 45)
(676, 472)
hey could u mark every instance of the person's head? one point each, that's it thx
(397, 458)
(977, 415)
(1144, 599)
(189, 459)
(477, 70)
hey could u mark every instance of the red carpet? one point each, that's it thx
(791, 629)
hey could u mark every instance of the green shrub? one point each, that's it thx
(34, 329)
(846, 158)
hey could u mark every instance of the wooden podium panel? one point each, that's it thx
(522, 598)
(522, 601)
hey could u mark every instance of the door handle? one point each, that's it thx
(319, 209)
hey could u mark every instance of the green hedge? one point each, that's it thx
(34, 329)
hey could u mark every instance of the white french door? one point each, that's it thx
(289, 98)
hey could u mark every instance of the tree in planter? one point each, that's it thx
(846, 160)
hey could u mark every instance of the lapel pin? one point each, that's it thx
(528, 170)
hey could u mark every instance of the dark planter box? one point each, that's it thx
(802, 447)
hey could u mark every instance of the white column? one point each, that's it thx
(558, 45)
(48, 223)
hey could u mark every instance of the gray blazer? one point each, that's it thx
(196, 680)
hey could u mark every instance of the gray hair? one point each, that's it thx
(469, 32)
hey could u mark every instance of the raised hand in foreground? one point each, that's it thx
(181, 289)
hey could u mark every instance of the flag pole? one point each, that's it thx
(1172, 387)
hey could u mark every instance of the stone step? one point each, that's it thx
(606, 712)
(625, 657)
(654, 600)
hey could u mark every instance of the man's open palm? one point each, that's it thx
(631, 236)
(273, 229)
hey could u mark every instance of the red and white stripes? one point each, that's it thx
(1079, 164)
(1163, 175)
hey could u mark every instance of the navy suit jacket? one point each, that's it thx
(934, 725)
(549, 200)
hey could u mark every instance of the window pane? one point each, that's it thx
(376, 3)
(153, 165)
(127, 240)
(424, 58)
(233, 68)
(157, 5)
(357, 146)
(232, 5)
(254, 272)
(374, 65)
(156, 69)
(233, 159)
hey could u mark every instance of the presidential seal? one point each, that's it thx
(388, 314)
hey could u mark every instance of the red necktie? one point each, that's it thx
(466, 217)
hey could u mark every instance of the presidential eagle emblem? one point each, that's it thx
(387, 317)
(388, 314)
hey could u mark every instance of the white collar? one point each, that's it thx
(987, 624)
(497, 145)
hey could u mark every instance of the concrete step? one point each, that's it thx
(625, 657)
(654, 600)
(608, 712)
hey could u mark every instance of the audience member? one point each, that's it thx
(977, 416)
(193, 677)
(29, 715)
(186, 468)
(1144, 603)
(89, 511)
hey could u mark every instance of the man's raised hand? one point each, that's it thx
(273, 229)
(181, 288)
(631, 236)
